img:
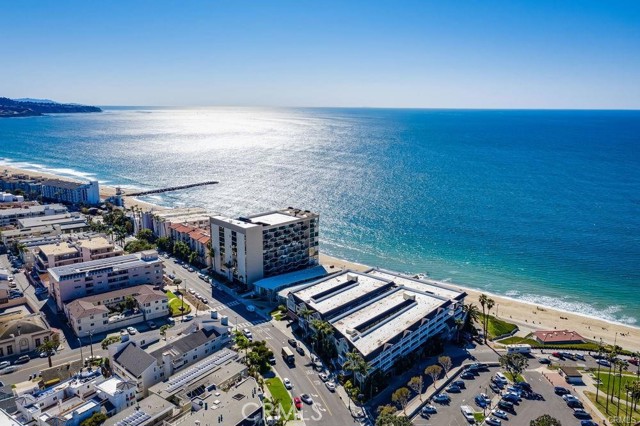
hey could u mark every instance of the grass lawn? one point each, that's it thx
(280, 393)
(511, 378)
(479, 417)
(497, 327)
(588, 346)
(607, 379)
(514, 340)
(601, 404)
(175, 303)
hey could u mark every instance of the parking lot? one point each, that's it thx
(526, 410)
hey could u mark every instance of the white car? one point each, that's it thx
(4, 364)
(499, 413)
(287, 383)
(131, 330)
(331, 386)
(192, 291)
(247, 333)
(323, 376)
(205, 301)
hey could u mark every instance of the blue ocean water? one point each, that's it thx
(537, 205)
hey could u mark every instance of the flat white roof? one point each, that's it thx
(345, 290)
(272, 219)
(427, 286)
(395, 312)
(110, 386)
(235, 222)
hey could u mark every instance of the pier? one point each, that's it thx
(172, 188)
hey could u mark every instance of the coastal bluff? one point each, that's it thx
(18, 108)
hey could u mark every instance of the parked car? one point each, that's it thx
(493, 421)
(574, 403)
(4, 364)
(569, 397)
(300, 350)
(23, 359)
(494, 387)
(131, 330)
(293, 342)
(634, 361)
(467, 375)
(505, 405)
(588, 423)
(287, 383)
(297, 402)
(191, 291)
(580, 413)
(544, 360)
(452, 389)
(188, 317)
(511, 397)
(272, 360)
(559, 390)
(45, 354)
(578, 356)
(501, 414)
(306, 398)
(441, 398)
(323, 376)
(331, 386)
(481, 402)
(557, 355)
(428, 410)
(205, 301)
(604, 362)
(459, 383)
(9, 370)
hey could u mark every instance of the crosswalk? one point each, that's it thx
(253, 323)
(225, 305)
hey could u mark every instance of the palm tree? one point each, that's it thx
(600, 352)
(305, 313)
(471, 314)
(611, 357)
(483, 302)
(357, 365)
(622, 365)
(48, 347)
(323, 330)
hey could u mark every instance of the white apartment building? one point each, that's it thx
(68, 222)
(11, 216)
(248, 249)
(74, 250)
(380, 314)
(197, 348)
(7, 197)
(96, 314)
(71, 282)
(71, 192)
(121, 394)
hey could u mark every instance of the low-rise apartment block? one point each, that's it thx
(68, 222)
(380, 314)
(104, 312)
(72, 282)
(159, 221)
(12, 216)
(147, 369)
(151, 411)
(73, 250)
(248, 249)
(197, 239)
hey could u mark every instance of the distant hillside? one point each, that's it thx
(34, 107)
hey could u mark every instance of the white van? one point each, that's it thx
(467, 412)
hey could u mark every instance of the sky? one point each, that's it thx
(417, 54)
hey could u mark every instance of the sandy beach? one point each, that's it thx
(526, 315)
(530, 317)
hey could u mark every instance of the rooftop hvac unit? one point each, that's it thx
(408, 296)
(352, 277)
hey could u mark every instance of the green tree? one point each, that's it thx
(165, 244)
(514, 364)
(357, 365)
(323, 332)
(137, 246)
(163, 331)
(393, 420)
(446, 363)
(130, 303)
(545, 420)
(49, 346)
(416, 385)
(146, 235)
(401, 397)
(386, 409)
(483, 303)
(96, 420)
(433, 371)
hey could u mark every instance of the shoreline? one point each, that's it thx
(530, 316)
(527, 315)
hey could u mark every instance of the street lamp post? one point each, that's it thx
(91, 342)
(81, 356)
(236, 323)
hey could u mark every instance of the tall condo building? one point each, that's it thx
(264, 245)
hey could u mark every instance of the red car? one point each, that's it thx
(298, 402)
(634, 361)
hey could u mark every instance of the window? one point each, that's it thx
(37, 342)
(9, 350)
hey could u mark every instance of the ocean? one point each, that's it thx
(542, 206)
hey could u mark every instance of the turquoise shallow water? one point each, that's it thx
(538, 205)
